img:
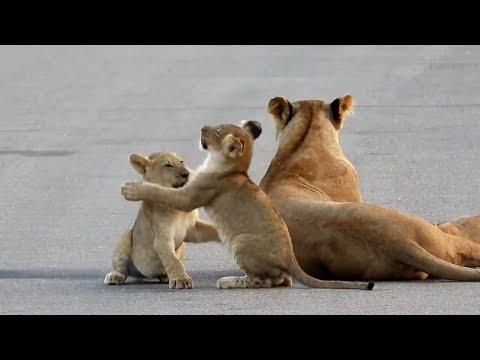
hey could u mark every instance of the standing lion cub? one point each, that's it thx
(154, 248)
(247, 222)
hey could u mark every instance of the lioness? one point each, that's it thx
(155, 247)
(246, 220)
(337, 179)
(348, 240)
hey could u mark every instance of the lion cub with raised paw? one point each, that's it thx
(155, 247)
(247, 222)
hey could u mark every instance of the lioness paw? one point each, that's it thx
(115, 278)
(183, 282)
(130, 190)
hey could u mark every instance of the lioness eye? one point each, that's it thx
(217, 134)
(169, 165)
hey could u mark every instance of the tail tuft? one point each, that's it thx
(370, 285)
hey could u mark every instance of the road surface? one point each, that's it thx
(71, 115)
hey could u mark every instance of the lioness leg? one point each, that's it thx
(178, 277)
(286, 281)
(121, 258)
(463, 252)
(470, 253)
(244, 282)
(467, 227)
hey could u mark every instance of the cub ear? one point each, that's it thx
(233, 146)
(342, 108)
(281, 111)
(254, 128)
(140, 162)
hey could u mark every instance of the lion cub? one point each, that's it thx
(154, 248)
(247, 222)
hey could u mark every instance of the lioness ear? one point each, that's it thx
(281, 111)
(233, 146)
(140, 162)
(254, 128)
(341, 109)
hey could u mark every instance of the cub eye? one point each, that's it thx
(169, 165)
(217, 134)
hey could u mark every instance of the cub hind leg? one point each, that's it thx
(249, 282)
(121, 259)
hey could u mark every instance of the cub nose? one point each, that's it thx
(185, 175)
(205, 128)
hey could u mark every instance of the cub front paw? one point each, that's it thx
(130, 190)
(231, 282)
(183, 282)
(115, 278)
(163, 279)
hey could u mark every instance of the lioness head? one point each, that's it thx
(231, 144)
(309, 147)
(162, 168)
(328, 116)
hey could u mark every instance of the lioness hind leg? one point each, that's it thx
(286, 281)
(467, 227)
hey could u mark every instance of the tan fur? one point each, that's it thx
(247, 222)
(467, 227)
(308, 179)
(337, 178)
(155, 247)
(322, 167)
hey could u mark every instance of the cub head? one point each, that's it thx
(162, 168)
(231, 143)
(329, 116)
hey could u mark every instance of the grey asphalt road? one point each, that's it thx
(71, 115)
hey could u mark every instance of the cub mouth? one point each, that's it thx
(179, 184)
